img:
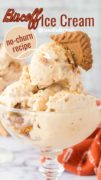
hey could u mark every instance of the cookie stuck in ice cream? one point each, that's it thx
(79, 44)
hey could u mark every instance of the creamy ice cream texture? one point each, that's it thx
(51, 64)
(10, 69)
(52, 83)
(72, 119)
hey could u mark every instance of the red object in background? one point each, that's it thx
(85, 158)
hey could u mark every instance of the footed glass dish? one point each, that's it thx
(50, 132)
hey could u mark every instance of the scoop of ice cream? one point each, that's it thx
(52, 64)
(20, 93)
(25, 80)
(69, 119)
(42, 96)
(64, 101)
(73, 82)
(10, 69)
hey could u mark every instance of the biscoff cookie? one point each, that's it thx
(79, 44)
(26, 130)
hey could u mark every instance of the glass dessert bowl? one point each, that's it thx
(48, 106)
(50, 132)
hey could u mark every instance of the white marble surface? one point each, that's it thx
(24, 164)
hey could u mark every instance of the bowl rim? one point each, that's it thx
(24, 111)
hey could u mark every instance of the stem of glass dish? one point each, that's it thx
(50, 168)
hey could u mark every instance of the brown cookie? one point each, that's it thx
(26, 130)
(79, 44)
